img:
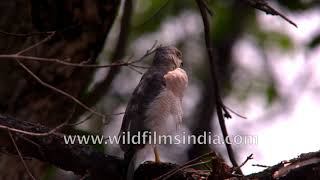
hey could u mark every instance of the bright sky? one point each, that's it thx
(296, 130)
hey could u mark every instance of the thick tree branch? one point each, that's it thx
(81, 159)
(85, 161)
(305, 166)
(104, 86)
(262, 5)
(221, 109)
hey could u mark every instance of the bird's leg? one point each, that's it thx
(156, 154)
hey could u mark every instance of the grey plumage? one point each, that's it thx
(152, 92)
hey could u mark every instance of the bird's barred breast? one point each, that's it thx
(165, 112)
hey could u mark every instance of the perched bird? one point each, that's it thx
(155, 105)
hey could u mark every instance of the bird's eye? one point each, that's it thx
(181, 64)
(179, 54)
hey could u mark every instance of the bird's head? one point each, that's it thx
(167, 57)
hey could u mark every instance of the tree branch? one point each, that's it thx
(85, 161)
(221, 110)
(21, 157)
(76, 100)
(81, 159)
(305, 166)
(262, 5)
(104, 86)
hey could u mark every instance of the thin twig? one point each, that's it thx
(81, 121)
(243, 163)
(234, 112)
(135, 69)
(20, 131)
(103, 87)
(173, 171)
(187, 166)
(81, 65)
(152, 16)
(46, 84)
(221, 110)
(33, 143)
(36, 44)
(260, 165)
(24, 35)
(19, 56)
(21, 157)
(59, 90)
(90, 115)
(56, 152)
(148, 52)
(139, 66)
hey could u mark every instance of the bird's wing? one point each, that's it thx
(149, 87)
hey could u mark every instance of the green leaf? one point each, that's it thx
(295, 5)
(314, 42)
(271, 94)
(273, 38)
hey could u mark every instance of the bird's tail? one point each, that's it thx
(129, 159)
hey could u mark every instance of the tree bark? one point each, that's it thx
(81, 28)
(83, 160)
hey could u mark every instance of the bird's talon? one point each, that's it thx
(156, 155)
